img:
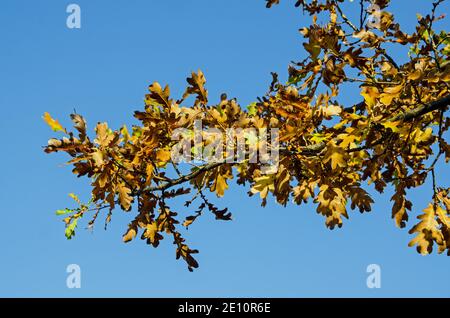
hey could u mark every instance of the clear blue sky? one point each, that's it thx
(103, 71)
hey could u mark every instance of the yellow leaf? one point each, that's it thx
(125, 198)
(104, 137)
(149, 170)
(347, 140)
(423, 136)
(332, 204)
(125, 133)
(163, 156)
(97, 156)
(219, 185)
(75, 197)
(304, 191)
(313, 48)
(370, 95)
(189, 221)
(151, 231)
(53, 123)
(366, 36)
(336, 155)
(388, 69)
(320, 137)
(427, 231)
(400, 207)
(331, 110)
(445, 76)
(197, 86)
(393, 89)
(158, 96)
(131, 234)
(333, 17)
(393, 125)
(443, 216)
(417, 74)
(263, 185)
(389, 93)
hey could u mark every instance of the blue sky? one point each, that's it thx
(103, 71)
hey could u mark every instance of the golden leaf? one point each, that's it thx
(131, 234)
(53, 123)
(197, 82)
(97, 156)
(389, 93)
(125, 198)
(336, 155)
(427, 231)
(401, 204)
(263, 185)
(392, 125)
(104, 136)
(158, 96)
(219, 185)
(331, 110)
(370, 95)
(75, 198)
(151, 233)
(163, 156)
(347, 140)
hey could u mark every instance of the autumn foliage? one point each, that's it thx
(329, 153)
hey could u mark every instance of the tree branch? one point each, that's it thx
(423, 109)
(308, 150)
(406, 116)
(182, 179)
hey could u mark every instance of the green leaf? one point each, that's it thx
(252, 109)
(70, 229)
(62, 212)
(319, 137)
(219, 109)
(293, 80)
(425, 35)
